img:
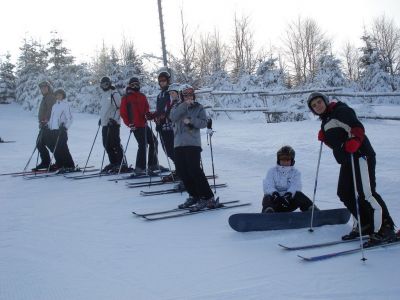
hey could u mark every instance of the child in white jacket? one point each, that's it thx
(282, 185)
(60, 121)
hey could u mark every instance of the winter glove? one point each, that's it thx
(209, 124)
(150, 116)
(321, 136)
(286, 200)
(99, 122)
(352, 145)
(132, 127)
(112, 122)
(62, 127)
(43, 125)
(275, 197)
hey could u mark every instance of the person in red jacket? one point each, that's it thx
(134, 106)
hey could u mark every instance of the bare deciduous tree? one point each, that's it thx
(305, 43)
(386, 37)
(244, 59)
(351, 61)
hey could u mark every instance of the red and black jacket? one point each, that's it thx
(133, 108)
(340, 123)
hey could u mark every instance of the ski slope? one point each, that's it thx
(65, 239)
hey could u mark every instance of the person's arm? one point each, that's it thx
(269, 183)
(199, 120)
(355, 129)
(295, 183)
(123, 110)
(67, 116)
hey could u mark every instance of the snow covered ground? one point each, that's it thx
(64, 239)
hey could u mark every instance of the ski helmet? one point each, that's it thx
(286, 152)
(105, 83)
(174, 87)
(187, 90)
(164, 74)
(314, 95)
(61, 92)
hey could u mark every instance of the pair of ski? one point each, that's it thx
(336, 253)
(175, 190)
(156, 182)
(181, 212)
(45, 174)
(128, 176)
(6, 142)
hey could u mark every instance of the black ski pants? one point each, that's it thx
(59, 146)
(43, 142)
(143, 135)
(298, 201)
(167, 140)
(346, 193)
(112, 143)
(187, 163)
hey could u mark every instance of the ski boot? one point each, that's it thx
(189, 202)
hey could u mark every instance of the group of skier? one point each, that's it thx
(179, 118)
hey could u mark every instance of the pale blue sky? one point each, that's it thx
(84, 24)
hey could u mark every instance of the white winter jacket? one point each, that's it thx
(282, 180)
(60, 113)
(110, 102)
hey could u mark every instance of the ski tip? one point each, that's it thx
(304, 258)
(284, 247)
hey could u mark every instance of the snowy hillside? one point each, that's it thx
(65, 239)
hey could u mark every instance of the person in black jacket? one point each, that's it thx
(345, 135)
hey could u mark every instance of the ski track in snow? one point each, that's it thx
(65, 239)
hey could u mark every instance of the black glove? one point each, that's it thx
(112, 122)
(43, 125)
(275, 197)
(286, 200)
(62, 127)
(99, 122)
(209, 124)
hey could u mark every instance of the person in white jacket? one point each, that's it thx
(59, 123)
(282, 185)
(110, 120)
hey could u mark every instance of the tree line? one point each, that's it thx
(304, 58)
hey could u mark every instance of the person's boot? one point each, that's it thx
(189, 202)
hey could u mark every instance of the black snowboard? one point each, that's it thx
(287, 220)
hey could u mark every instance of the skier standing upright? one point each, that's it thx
(111, 123)
(45, 107)
(189, 117)
(343, 132)
(60, 121)
(161, 115)
(134, 106)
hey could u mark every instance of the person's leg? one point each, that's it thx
(141, 152)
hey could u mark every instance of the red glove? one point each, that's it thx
(321, 136)
(352, 145)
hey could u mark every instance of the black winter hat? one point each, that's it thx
(133, 80)
(314, 95)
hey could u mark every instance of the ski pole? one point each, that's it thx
(90, 152)
(30, 158)
(166, 155)
(209, 135)
(315, 188)
(126, 148)
(357, 207)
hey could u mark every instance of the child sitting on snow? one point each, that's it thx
(282, 186)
